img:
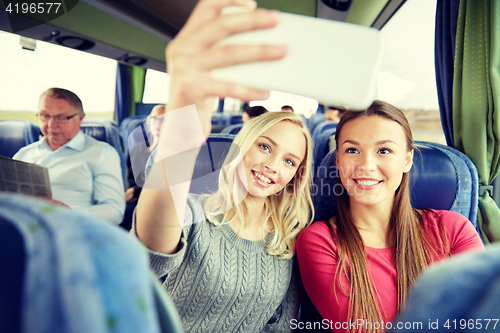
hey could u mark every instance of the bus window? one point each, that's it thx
(407, 77)
(26, 74)
(156, 87)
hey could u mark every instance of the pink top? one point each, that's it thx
(317, 255)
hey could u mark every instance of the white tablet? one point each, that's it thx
(333, 62)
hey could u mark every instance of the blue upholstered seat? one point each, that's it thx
(441, 178)
(460, 292)
(232, 129)
(321, 141)
(321, 127)
(220, 119)
(68, 272)
(322, 145)
(15, 134)
(106, 132)
(315, 120)
(208, 163)
(235, 119)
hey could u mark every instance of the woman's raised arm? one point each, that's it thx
(190, 58)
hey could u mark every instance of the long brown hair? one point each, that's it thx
(413, 249)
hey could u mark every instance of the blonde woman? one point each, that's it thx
(229, 257)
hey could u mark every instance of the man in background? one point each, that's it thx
(85, 174)
(334, 113)
(287, 108)
(253, 111)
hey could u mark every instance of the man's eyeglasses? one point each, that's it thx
(58, 119)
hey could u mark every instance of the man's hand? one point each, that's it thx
(129, 195)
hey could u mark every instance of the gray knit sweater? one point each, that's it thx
(220, 282)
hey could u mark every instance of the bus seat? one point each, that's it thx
(68, 272)
(320, 148)
(217, 128)
(232, 129)
(321, 127)
(209, 161)
(441, 178)
(15, 134)
(235, 119)
(127, 126)
(220, 119)
(322, 145)
(108, 133)
(205, 174)
(143, 109)
(315, 120)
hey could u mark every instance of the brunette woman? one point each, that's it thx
(359, 266)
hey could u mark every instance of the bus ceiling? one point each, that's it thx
(136, 32)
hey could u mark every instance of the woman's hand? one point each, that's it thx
(194, 53)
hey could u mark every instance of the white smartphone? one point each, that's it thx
(333, 62)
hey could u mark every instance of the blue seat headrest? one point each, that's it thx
(235, 119)
(68, 272)
(15, 134)
(96, 131)
(128, 125)
(220, 119)
(322, 145)
(208, 163)
(315, 120)
(321, 128)
(232, 129)
(106, 131)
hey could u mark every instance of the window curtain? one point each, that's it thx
(122, 94)
(476, 92)
(130, 81)
(444, 53)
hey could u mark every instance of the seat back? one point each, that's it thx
(143, 109)
(208, 163)
(109, 133)
(220, 119)
(315, 120)
(321, 127)
(322, 145)
(235, 119)
(68, 272)
(127, 126)
(232, 129)
(441, 178)
(15, 134)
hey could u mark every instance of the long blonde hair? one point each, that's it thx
(289, 210)
(413, 249)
